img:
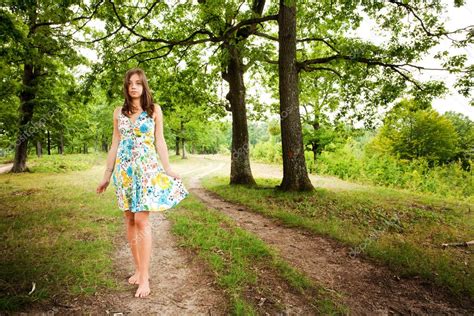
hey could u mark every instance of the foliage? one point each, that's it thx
(383, 169)
(424, 134)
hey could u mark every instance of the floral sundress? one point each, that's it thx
(141, 184)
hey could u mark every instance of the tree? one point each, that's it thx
(295, 175)
(222, 23)
(40, 32)
(411, 133)
(371, 75)
(465, 130)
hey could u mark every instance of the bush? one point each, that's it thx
(267, 152)
(386, 170)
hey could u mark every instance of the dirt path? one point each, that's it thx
(180, 283)
(265, 170)
(6, 167)
(366, 287)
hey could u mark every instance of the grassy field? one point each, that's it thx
(56, 233)
(59, 237)
(401, 229)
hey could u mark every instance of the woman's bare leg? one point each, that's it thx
(132, 237)
(144, 252)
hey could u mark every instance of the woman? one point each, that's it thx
(142, 185)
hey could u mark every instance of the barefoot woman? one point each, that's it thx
(142, 185)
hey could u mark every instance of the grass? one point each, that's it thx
(6, 159)
(56, 163)
(240, 260)
(58, 234)
(403, 230)
(64, 163)
(55, 233)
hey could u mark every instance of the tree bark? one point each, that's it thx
(315, 144)
(295, 175)
(27, 96)
(176, 142)
(49, 142)
(39, 151)
(105, 146)
(240, 171)
(61, 144)
(183, 149)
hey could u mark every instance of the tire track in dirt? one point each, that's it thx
(271, 289)
(367, 288)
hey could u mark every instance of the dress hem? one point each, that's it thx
(151, 210)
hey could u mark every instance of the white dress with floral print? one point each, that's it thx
(141, 184)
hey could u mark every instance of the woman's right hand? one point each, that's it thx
(102, 186)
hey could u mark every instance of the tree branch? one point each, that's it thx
(308, 68)
(189, 40)
(411, 10)
(48, 23)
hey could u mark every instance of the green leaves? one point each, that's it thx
(414, 131)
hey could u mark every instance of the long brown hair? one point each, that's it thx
(146, 97)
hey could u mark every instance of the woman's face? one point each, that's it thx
(135, 86)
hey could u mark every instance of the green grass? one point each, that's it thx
(6, 159)
(397, 228)
(57, 233)
(55, 230)
(57, 163)
(63, 163)
(237, 258)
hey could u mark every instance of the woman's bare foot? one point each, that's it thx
(143, 288)
(134, 278)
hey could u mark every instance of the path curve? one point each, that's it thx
(367, 288)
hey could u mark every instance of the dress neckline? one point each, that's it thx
(133, 123)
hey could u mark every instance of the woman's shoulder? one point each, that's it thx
(117, 111)
(156, 107)
(156, 111)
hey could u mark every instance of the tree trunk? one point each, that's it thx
(39, 150)
(295, 175)
(85, 148)
(176, 144)
(182, 132)
(314, 149)
(61, 144)
(315, 144)
(27, 96)
(183, 149)
(49, 142)
(105, 146)
(240, 172)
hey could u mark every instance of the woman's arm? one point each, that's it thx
(112, 155)
(160, 143)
